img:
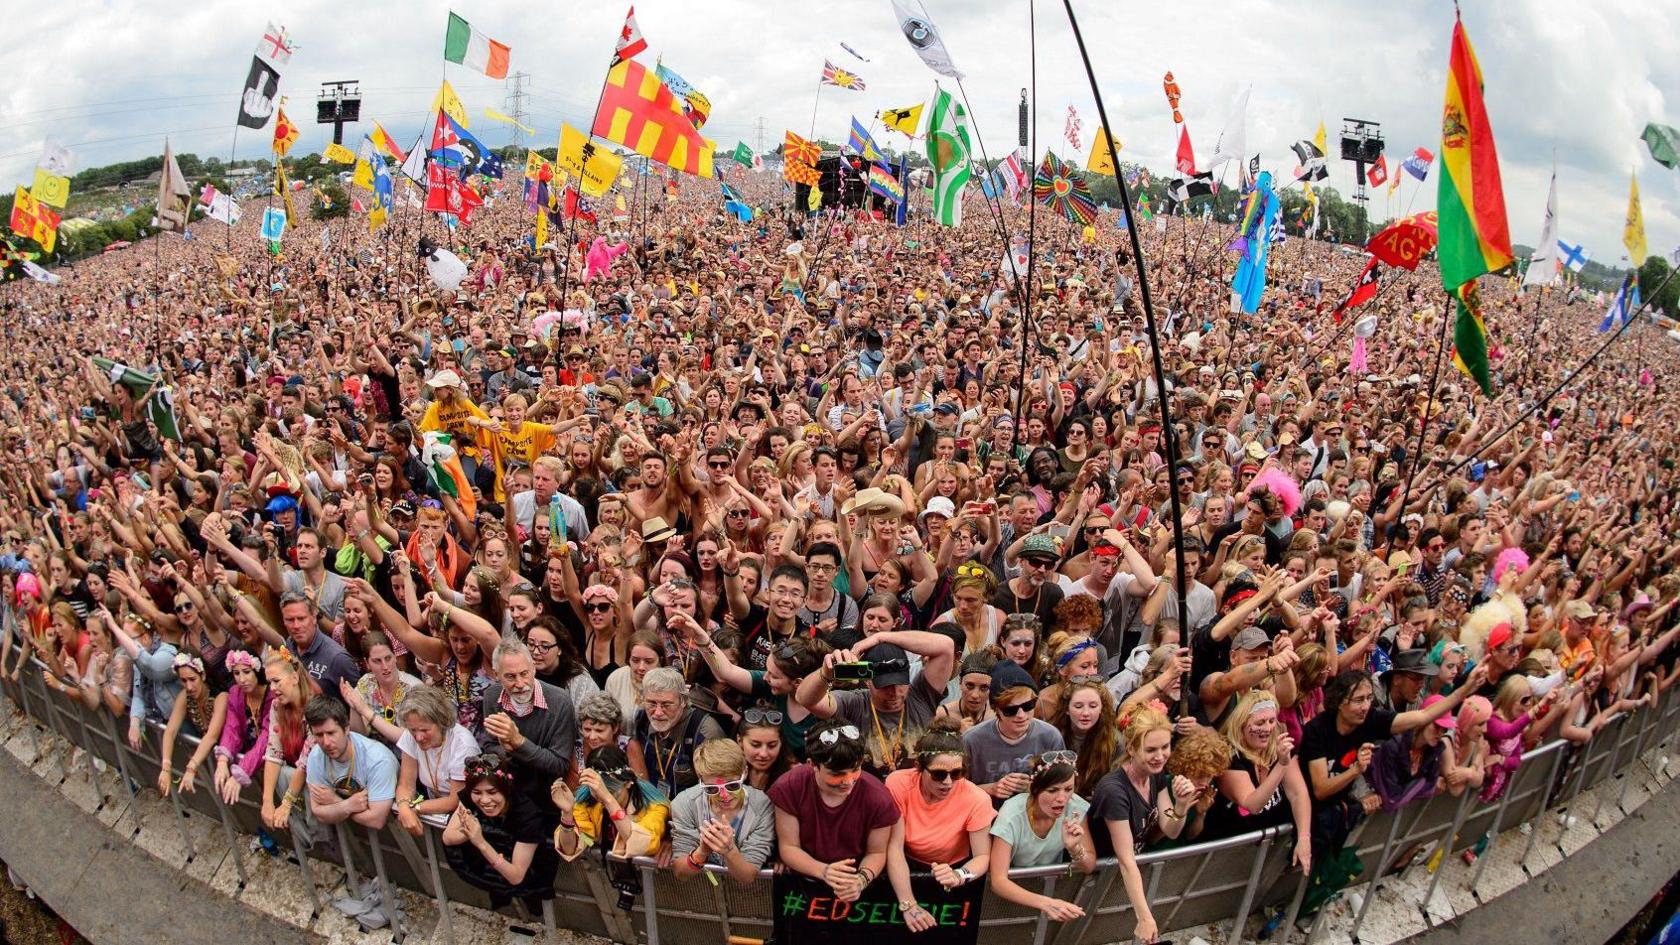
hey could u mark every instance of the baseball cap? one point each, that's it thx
(1250, 638)
(1006, 675)
(899, 674)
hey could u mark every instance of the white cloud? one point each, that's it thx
(1583, 79)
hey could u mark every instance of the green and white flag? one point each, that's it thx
(159, 408)
(948, 151)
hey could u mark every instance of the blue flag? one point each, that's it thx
(458, 148)
(861, 143)
(1258, 218)
(1622, 306)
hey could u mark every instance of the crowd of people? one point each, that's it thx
(782, 542)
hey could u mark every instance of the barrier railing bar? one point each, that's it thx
(388, 896)
(445, 920)
(1443, 849)
(1250, 889)
(1557, 750)
(1376, 880)
(1599, 758)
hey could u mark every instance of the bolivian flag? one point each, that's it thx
(1474, 235)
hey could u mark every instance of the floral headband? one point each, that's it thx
(237, 658)
(604, 591)
(488, 766)
(188, 661)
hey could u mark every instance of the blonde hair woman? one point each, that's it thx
(1139, 803)
(1262, 786)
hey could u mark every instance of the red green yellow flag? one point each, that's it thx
(1474, 235)
(1470, 342)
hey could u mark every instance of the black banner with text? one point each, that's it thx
(807, 913)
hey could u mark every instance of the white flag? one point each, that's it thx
(219, 206)
(276, 47)
(414, 167)
(1543, 265)
(55, 159)
(923, 37)
(40, 275)
(1232, 141)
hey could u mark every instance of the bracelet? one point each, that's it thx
(1171, 813)
(868, 877)
(734, 573)
(618, 815)
(564, 825)
(697, 864)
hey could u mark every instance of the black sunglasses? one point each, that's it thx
(1013, 710)
(942, 775)
(599, 608)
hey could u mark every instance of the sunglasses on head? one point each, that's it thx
(762, 717)
(848, 732)
(1059, 757)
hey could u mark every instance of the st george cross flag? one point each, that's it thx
(256, 103)
(630, 41)
(275, 47)
(472, 48)
(836, 76)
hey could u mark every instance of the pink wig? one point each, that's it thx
(1278, 483)
(1509, 558)
(1475, 711)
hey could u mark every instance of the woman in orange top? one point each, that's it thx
(945, 824)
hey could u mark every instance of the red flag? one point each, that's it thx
(1379, 171)
(445, 193)
(630, 41)
(579, 206)
(1363, 291)
(1186, 157)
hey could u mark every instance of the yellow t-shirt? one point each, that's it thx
(523, 445)
(453, 420)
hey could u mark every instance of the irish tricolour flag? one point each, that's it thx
(473, 49)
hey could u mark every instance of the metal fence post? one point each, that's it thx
(650, 903)
(1492, 838)
(1250, 890)
(442, 895)
(1376, 879)
(1443, 849)
(122, 759)
(1545, 798)
(388, 894)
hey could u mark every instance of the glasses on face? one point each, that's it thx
(1010, 711)
(762, 717)
(815, 568)
(715, 788)
(737, 513)
(720, 464)
(786, 593)
(829, 737)
(542, 647)
(183, 606)
(599, 607)
(1095, 529)
(941, 775)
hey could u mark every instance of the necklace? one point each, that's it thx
(890, 752)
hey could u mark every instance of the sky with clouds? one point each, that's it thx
(1578, 81)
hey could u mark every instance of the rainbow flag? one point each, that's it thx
(1474, 235)
(882, 181)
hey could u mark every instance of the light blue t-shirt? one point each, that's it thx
(373, 767)
(1027, 848)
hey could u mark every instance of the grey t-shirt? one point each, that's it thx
(898, 730)
(329, 601)
(990, 757)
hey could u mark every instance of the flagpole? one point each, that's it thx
(232, 150)
(1024, 280)
(1428, 402)
(1163, 395)
(588, 152)
(814, 100)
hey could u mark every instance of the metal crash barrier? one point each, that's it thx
(1200, 883)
